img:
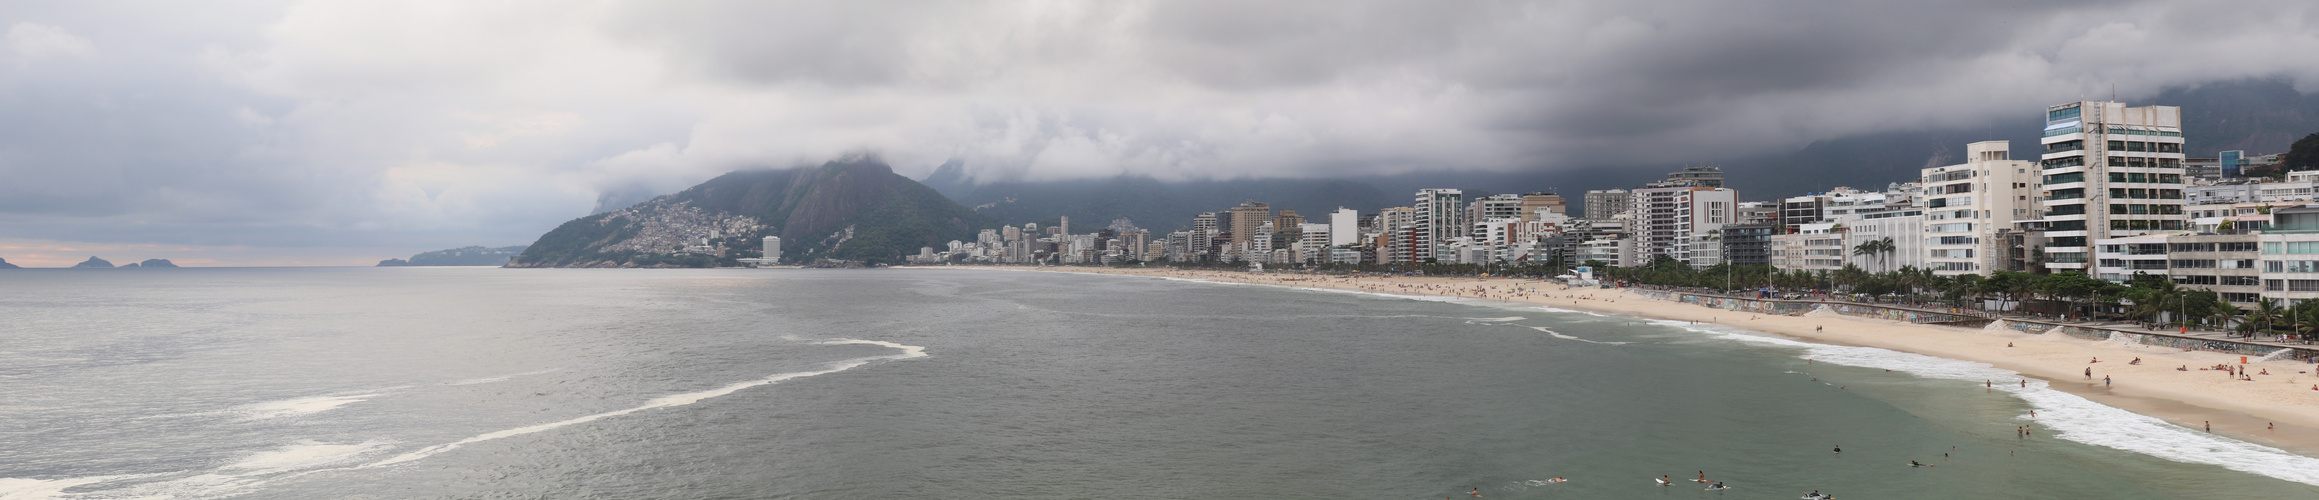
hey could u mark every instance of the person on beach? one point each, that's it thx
(2105, 381)
(2089, 373)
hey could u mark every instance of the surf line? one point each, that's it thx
(1559, 335)
(908, 351)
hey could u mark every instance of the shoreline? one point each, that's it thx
(2239, 410)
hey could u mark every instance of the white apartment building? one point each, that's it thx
(1611, 250)
(1904, 225)
(1500, 206)
(1314, 241)
(1439, 215)
(2110, 172)
(1344, 227)
(1817, 246)
(1666, 220)
(1965, 205)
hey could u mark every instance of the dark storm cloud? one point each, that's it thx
(450, 123)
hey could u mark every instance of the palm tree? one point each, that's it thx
(2267, 312)
(1867, 249)
(2222, 315)
(1886, 248)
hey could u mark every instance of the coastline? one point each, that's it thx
(2238, 410)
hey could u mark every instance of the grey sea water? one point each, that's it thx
(493, 383)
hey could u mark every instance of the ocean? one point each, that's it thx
(611, 383)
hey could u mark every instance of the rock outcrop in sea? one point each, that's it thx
(93, 263)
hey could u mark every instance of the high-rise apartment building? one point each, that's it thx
(1966, 205)
(1602, 204)
(1439, 216)
(1695, 176)
(1668, 219)
(1246, 218)
(1500, 206)
(1344, 227)
(1287, 222)
(1533, 202)
(2109, 171)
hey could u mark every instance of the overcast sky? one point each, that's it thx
(343, 132)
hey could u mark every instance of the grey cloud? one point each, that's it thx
(450, 121)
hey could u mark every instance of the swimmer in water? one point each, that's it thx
(1839, 449)
(1477, 492)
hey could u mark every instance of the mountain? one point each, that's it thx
(462, 256)
(1153, 204)
(850, 209)
(2259, 116)
(5, 265)
(153, 263)
(93, 263)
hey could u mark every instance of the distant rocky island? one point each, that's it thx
(5, 265)
(97, 263)
(462, 256)
(853, 210)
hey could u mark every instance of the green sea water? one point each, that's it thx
(497, 383)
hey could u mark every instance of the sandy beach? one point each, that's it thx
(2156, 387)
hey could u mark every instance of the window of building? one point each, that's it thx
(2303, 285)
(2242, 297)
(2194, 280)
(2239, 281)
(2274, 285)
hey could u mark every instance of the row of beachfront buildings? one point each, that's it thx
(2108, 191)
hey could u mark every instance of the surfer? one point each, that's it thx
(1839, 448)
(1664, 480)
(1702, 477)
(1477, 492)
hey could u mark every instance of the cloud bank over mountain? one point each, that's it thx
(436, 124)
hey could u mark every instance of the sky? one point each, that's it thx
(239, 132)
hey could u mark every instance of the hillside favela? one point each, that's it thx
(1009, 250)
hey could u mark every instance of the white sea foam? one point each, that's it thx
(1559, 335)
(300, 406)
(308, 457)
(1495, 320)
(501, 378)
(908, 351)
(2070, 416)
(1561, 310)
(29, 489)
(240, 477)
(304, 455)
